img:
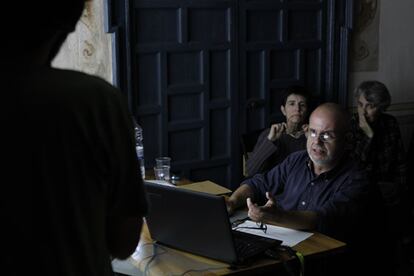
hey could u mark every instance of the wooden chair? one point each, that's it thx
(248, 141)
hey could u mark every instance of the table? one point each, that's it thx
(168, 261)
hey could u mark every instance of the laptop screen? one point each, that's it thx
(190, 221)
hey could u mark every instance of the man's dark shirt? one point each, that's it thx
(335, 195)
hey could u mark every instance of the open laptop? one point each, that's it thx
(198, 223)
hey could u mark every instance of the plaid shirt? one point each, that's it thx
(383, 155)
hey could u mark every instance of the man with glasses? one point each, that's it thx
(318, 189)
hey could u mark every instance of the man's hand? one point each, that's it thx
(238, 198)
(276, 131)
(363, 124)
(230, 205)
(264, 213)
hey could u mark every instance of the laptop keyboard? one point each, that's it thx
(248, 245)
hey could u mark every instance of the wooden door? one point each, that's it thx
(302, 48)
(200, 73)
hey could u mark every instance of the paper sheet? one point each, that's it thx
(238, 215)
(289, 237)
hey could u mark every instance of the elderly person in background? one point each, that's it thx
(378, 142)
(277, 142)
(379, 147)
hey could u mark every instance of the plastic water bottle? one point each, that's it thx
(139, 147)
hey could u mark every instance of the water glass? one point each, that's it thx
(163, 161)
(162, 172)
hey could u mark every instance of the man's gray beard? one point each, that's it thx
(324, 162)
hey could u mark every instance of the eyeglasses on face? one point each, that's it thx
(326, 136)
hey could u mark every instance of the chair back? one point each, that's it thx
(248, 141)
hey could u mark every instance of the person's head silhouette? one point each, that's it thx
(38, 25)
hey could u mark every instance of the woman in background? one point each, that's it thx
(379, 148)
(277, 142)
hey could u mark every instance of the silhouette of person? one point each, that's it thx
(72, 195)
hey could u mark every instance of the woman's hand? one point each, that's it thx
(363, 124)
(276, 131)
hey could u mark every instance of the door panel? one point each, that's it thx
(286, 53)
(182, 67)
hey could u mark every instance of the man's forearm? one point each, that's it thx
(238, 198)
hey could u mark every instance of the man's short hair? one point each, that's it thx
(374, 92)
(37, 21)
(295, 89)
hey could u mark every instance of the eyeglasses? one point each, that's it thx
(326, 137)
(259, 225)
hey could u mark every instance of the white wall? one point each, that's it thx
(88, 49)
(396, 62)
(396, 55)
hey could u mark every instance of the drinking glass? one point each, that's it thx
(162, 172)
(163, 161)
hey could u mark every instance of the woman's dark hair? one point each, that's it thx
(374, 92)
(297, 90)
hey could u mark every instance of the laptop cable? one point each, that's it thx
(152, 257)
(292, 260)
